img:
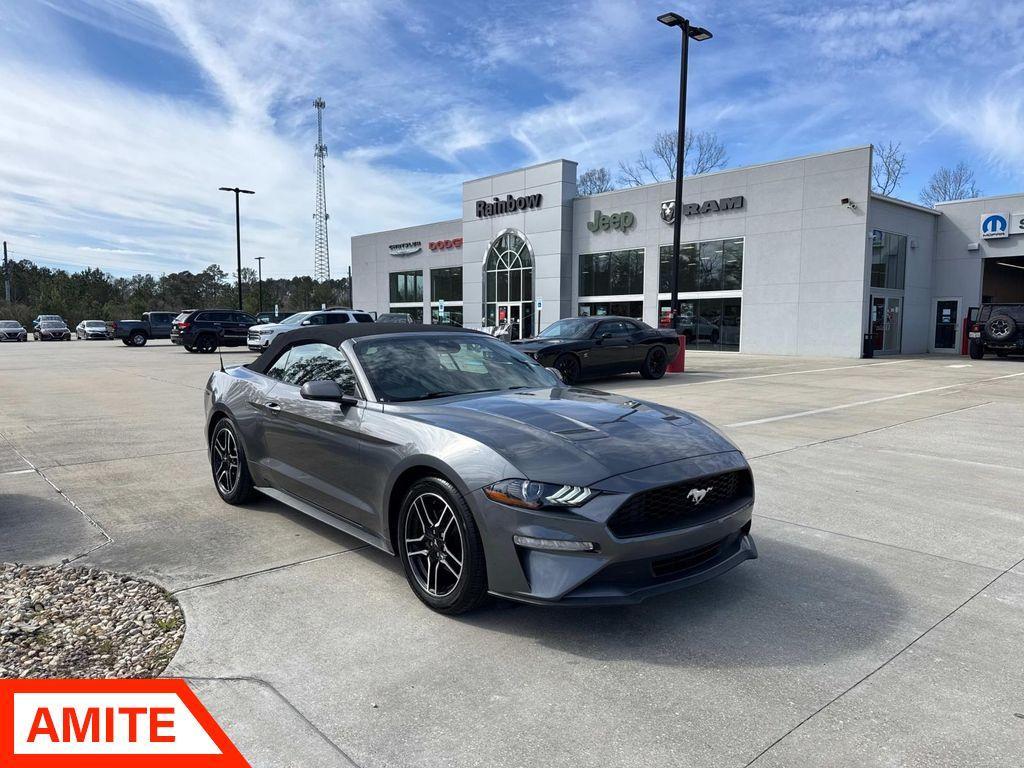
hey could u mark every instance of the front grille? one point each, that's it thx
(682, 504)
(685, 561)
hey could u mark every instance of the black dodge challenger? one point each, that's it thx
(585, 347)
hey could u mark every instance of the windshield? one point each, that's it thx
(296, 319)
(95, 324)
(402, 368)
(9, 324)
(570, 328)
(51, 324)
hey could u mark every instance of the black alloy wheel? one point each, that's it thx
(569, 366)
(440, 548)
(230, 469)
(655, 364)
(1000, 327)
(206, 343)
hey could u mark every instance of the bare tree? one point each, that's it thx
(594, 181)
(702, 152)
(950, 184)
(888, 168)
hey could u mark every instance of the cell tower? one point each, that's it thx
(321, 255)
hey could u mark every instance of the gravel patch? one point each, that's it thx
(83, 622)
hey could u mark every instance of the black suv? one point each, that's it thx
(203, 330)
(999, 328)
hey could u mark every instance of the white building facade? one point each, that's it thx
(796, 257)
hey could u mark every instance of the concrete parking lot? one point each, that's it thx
(882, 625)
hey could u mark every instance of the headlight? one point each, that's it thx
(527, 493)
(265, 333)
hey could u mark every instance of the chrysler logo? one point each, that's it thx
(696, 495)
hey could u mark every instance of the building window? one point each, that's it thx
(508, 284)
(714, 265)
(415, 312)
(406, 286)
(619, 308)
(446, 286)
(615, 273)
(707, 323)
(888, 260)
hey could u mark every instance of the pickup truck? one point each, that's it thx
(153, 325)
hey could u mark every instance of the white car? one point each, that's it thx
(91, 329)
(260, 336)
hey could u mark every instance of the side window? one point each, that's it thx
(336, 317)
(316, 320)
(362, 317)
(319, 362)
(276, 371)
(614, 327)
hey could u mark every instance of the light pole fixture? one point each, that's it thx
(259, 267)
(238, 235)
(699, 34)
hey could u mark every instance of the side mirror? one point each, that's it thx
(557, 374)
(305, 322)
(326, 391)
(604, 337)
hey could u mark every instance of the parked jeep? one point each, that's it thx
(153, 325)
(205, 330)
(999, 329)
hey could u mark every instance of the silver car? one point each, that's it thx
(91, 329)
(478, 468)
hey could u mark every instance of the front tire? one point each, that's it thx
(655, 364)
(230, 468)
(440, 548)
(976, 349)
(569, 366)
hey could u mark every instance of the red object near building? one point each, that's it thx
(678, 364)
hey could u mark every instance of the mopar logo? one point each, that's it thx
(994, 225)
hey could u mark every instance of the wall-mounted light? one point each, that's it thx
(973, 246)
(848, 203)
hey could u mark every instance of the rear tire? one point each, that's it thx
(139, 339)
(206, 343)
(126, 342)
(230, 468)
(655, 364)
(976, 349)
(446, 570)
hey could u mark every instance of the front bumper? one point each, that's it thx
(624, 570)
(258, 343)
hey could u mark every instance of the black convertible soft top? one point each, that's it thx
(336, 334)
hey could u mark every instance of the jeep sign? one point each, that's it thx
(621, 221)
(668, 208)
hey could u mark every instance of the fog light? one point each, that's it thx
(558, 545)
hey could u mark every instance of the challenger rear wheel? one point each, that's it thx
(655, 364)
(440, 548)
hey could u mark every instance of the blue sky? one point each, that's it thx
(119, 120)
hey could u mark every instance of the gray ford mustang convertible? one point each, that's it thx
(479, 468)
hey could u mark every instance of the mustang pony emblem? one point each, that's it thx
(696, 495)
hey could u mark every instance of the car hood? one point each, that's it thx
(573, 435)
(270, 327)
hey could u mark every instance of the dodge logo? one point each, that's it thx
(696, 495)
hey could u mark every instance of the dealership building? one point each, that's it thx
(796, 257)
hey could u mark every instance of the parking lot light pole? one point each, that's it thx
(238, 235)
(259, 279)
(698, 34)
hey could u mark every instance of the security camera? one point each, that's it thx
(848, 203)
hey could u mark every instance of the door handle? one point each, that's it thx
(273, 407)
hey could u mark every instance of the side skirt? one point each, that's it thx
(327, 518)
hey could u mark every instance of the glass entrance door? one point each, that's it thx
(513, 315)
(947, 316)
(887, 323)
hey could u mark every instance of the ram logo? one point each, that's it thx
(696, 495)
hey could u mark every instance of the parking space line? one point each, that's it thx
(829, 409)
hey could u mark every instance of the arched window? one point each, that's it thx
(508, 283)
